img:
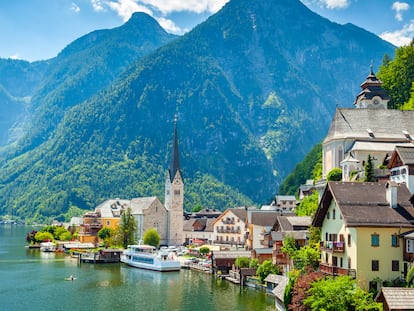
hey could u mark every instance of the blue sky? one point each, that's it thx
(40, 29)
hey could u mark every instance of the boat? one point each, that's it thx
(148, 257)
(47, 247)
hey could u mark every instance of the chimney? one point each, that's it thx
(391, 193)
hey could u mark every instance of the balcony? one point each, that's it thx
(334, 271)
(228, 230)
(331, 246)
(228, 221)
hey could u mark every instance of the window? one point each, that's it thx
(395, 241)
(333, 214)
(349, 240)
(108, 222)
(349, 262)
(375, 239)
(410, 246)
(341, 262)
(328, 215)
(176, 192)
(375, 265)
(395, 265)
(326, 236)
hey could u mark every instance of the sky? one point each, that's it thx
(39, 29)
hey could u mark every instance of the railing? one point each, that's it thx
(333, 246)
(228, 230)
(334, 271)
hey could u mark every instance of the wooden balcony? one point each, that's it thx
(334, 247)
(335, 271)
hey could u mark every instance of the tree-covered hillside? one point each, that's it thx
(250, 101)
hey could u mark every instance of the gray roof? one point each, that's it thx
(230, 255)
(112, 207)
(397, 298)
(138, 205)
(385, 124)
(279, 290)
(300, 220)
(297, 235)
(406, 154)
(263, 251)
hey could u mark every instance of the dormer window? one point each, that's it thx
(370, 133)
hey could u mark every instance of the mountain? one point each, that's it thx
(18, 82)
(254, 88)
(86, 66)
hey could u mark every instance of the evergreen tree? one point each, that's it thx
(127, 228)
(369, 170)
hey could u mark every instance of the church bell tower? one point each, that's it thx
(174, 195)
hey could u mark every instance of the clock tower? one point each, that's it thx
(174, 195)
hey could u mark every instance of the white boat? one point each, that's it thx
(47, 247)
(147, 257)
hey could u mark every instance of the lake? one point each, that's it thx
(33, 280)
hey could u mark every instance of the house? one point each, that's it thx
(223, 261)
(396, 298)
(230, 227)
(368, 129)
(198, 229)
(307, 189)
(401, 166)
(259, 222)
(361, 226)
(292, 226)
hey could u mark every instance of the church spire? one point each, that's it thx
(175, 159)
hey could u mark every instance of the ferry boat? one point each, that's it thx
(47, 247)
(148, 257)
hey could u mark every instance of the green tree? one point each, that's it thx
(65, 236)
(204, 250)
(151, 237)
(106, 234)
(335, 174)
(127, 228)
(340, 293)
(242, 262)
(369, 170)
(44, 236)
(197, 208)
(266, 268)
(398, 75)
(309, 205)
(410, 277)
(254, 263)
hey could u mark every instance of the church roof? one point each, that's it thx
(138, 205)
(371, 125)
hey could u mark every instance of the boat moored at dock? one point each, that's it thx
(148, 257)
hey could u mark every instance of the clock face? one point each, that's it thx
(376, 102)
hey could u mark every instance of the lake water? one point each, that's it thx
(33, 280)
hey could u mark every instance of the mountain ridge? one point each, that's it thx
(252, 96)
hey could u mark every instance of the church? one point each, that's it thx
(148, 212)
(370, 128)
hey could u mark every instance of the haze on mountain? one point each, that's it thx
(254, 89)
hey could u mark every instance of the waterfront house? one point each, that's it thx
(230, 227)
(276, 285)
(362, 226)
(198, 229)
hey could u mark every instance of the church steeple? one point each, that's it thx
(372, 95)
(175, 158)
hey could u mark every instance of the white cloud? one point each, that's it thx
(195, 6)
(125, 8)
(169, 25)
(336, 4)
(400, 37)
(400, 7)
(97, 5)
(15, 56)
(74, 7)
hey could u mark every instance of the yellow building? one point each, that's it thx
(362, 225)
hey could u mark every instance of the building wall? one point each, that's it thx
(111, 223)
(155, 216)
(226, 232)
(385, 253)
(174, 202)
